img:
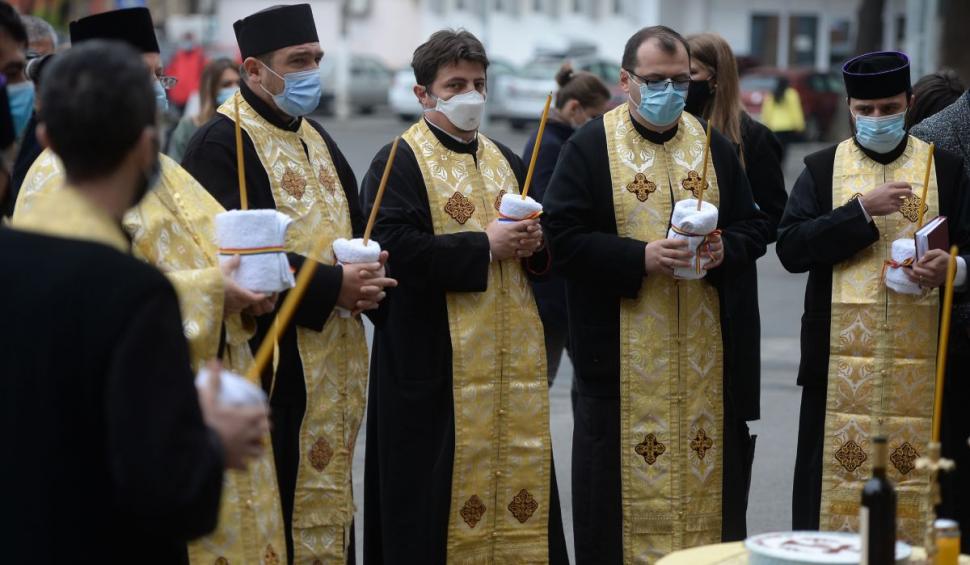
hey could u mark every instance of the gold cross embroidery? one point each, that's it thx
(641, 187)
(693, 183)
(650, 449)
(911, 208)
(701, 443)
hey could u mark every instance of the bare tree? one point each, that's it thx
(869, 37)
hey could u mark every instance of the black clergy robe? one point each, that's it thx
(410, 410)
(600, 269)
(211, 159)
(107, 457)
(813, 237)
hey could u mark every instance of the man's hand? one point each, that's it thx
(930, 270)
(363, 285)
(237, 298)
(886, 198)
(504, 238)
(663, 255)
(240, 428)
(531, 241)
(713, 248)
(264, 306)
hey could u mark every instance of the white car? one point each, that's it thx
(404, 104)
(369, 81)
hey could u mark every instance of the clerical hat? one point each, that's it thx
(275, 28)
(877, 75)
(131, 25)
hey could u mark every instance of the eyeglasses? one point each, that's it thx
(661, 85)
(167, 82)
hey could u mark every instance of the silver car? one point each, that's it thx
(369, 83)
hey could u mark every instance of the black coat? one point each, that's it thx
(107, 457)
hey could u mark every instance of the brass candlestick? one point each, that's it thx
(934, 464)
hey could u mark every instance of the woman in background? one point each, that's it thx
(931, 94)
(220, 80)
(714, 95)
(581, 97)
(782, 113)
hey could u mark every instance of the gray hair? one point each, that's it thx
(39, 29)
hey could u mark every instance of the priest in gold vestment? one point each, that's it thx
(292, 164)
(660, 455)
(459, 460)
(868, 361)
(173, 229)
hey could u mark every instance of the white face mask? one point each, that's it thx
(463, 110)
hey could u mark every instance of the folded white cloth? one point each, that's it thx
(249, 231)
(234, 390)
(896, 278)
(514, 207)
(688, 220)
(349, 251)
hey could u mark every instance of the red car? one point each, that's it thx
(820, 93)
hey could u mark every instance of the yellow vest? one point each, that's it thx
(172, 228)
(671, 355)
(335, 359)
(883, 354)
(501, 475)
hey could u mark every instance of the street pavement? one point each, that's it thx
(781, 296)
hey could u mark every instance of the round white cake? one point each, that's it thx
(796, 548)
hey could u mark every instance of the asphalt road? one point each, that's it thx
(781, 296)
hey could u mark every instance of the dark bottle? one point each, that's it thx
(877, 515)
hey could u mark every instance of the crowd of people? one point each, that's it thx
(116, 294)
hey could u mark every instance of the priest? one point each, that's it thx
(459, 460)
(659, 449)
(293, 165)
(172, 227)
(868, 352)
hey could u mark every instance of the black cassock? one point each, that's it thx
(813, 237)
(211, 159)
(600, 269)
(410, 412)
(106, 454)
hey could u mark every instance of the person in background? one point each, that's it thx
(187, 65)
(220, 80)
(581, 97)
(41, 37)
(16, 94)
(41, 45)
(949, 129)
(782, 113)
(932, 93)
(715, 95)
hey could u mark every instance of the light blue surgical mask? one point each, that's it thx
(21, 97)
(225, 94)
(661, 107)
(882, 134)
(161, 97)
(301, 92)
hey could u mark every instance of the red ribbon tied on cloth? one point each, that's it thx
(706, 242)
(533, 216)
(251, 250)
(895, 265)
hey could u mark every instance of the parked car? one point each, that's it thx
(820, 94)
(369, 83)
(404, 104)
(524, 94)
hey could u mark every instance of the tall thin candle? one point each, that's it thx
(944, 341)
(535, 148)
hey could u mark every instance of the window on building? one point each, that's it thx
(500, 5)
(764, 39)
(840, 42)
(802, 41)
(578, 6)
(618, 8)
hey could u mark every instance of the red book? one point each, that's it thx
(934, 235)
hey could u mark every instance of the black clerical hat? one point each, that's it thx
(275, 28)
(877, 75)
(131, 25)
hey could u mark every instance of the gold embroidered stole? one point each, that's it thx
(883, 354)
(501, 475)
(335, 359)
(172, 228)
(671, 400)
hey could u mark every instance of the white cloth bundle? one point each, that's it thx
(688, 219)
(348, 251)
(514, 208)
(234, 390)
(248, 231)
(896, 278)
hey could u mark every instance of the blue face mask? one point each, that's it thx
(225, 94)
(161, 97)
(661, 107)
(882, 134)
(21, 97)
(301, 92)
